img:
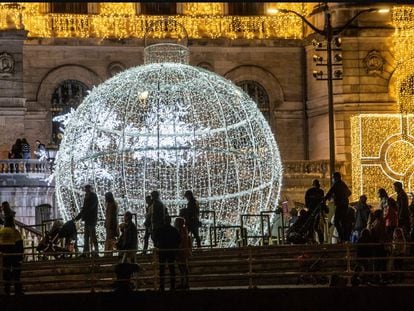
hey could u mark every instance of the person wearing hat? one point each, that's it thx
(11, 245)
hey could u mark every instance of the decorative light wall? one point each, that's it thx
(403, 39)
(203, 8)
(383, 144)
(170, 127)
(382, 153)
(118, 20)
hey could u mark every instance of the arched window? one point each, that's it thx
(69, 7)
(259, 95)
(69, 94)
(158, 8)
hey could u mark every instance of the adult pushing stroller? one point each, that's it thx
(60, 234)
(303, 230)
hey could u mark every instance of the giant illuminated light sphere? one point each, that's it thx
(170, 127)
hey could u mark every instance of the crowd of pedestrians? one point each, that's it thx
(389, 225)
(173, 243)
(380, 232)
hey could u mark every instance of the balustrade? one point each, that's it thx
(20, 166)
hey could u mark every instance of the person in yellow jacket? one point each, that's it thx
(11, 247)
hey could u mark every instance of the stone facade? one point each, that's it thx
(298, 103)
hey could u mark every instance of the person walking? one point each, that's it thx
(89, 214)
(158, 213)
(127, 246)
(314, 202)
(111, 222)
(11, 245)
(191, 214)
(128, 241)
(147, 223)
(168, 241)
(184, 251)
(340, 193)
(383, 199)
(391, 218)
(403, 212)
(362, 212)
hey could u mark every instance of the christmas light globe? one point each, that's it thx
(171, 127)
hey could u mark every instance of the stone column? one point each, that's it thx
(12, 101)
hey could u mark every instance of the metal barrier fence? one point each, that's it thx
(245, 267)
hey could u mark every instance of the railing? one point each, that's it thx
(318, 168)
(20, 166)
(246, 267)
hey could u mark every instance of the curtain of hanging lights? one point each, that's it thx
(170, 127)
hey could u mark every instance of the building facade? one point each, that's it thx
(53, 53)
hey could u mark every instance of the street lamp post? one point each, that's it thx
(328, 32)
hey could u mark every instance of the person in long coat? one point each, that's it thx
(111, 222)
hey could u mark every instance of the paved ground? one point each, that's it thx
(266, 299)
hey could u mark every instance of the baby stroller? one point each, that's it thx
(303, 230)
(49, 245)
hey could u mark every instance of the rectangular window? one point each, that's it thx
(246, 8)
(158, 8)
(69, 7)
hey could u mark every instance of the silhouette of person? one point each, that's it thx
(111, 221)
(402, 203)
(11, 242)
(89, 214)
(313, 200)
(340, 193)
(147, 223)
(168, 243)
(191, 214)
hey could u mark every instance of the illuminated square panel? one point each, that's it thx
(382, 153)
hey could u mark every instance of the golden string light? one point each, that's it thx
(383, 144)
(117, 8)
(382, 152)
(203, 8)
(119, 20)
(403, 20)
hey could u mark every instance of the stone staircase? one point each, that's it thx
(209, 268)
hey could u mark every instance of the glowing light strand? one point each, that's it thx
(171, 127)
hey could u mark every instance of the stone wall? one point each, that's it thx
(48, 62)
(24, 199)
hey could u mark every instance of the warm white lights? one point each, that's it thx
(170, 127)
